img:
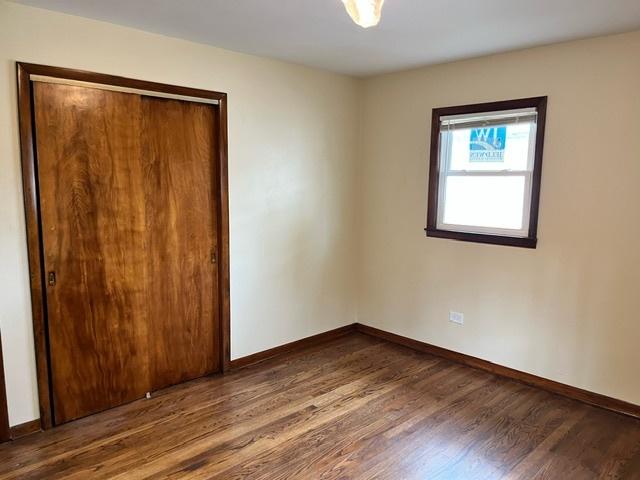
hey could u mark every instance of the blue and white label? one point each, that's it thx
(487, 144)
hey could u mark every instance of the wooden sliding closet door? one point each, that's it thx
(129, 240)
(178, 149)
(93, 229)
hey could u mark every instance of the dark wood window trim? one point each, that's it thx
(5, 431)
(530, 241)
(32, 213)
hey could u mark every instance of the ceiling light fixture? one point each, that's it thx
(365, 13)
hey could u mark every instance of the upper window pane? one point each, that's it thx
(499, 147)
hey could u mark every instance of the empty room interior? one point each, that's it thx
(320, 239)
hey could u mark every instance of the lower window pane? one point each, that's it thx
(491, 202)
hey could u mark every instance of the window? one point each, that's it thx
(485, 170)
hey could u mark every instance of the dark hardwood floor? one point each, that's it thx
(356, 407)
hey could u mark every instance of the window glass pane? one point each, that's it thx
(485, 201)
(497, 147)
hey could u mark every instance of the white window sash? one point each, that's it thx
(526, 207)
(487, 173)
(445, 172)
(500, 232)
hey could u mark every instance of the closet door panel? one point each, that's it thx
(94, 240)
(178, 148)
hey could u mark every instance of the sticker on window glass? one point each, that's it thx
(487, 144)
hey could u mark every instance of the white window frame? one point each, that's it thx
(445, 171)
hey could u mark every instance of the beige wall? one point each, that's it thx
(568, 310)
(292, 159)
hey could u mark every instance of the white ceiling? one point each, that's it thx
(319, 33)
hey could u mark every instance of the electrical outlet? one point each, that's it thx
(456, 317)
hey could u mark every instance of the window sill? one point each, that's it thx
(483, 238)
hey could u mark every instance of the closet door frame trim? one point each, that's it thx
(26, 119)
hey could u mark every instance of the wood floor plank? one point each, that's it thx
(316, 409)
(177, 402)
(373, 410)
(367, 441)
(352, 408)
(210, 417)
